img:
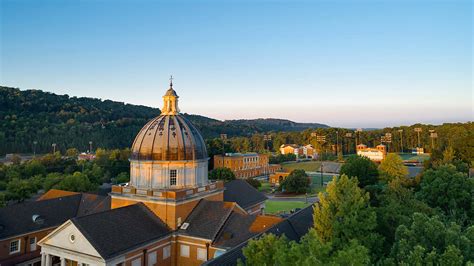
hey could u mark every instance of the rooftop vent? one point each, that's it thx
(184, 226)
(37, 219)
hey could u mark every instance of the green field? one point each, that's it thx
(274, 207)
(308, 166)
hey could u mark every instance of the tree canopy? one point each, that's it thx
(296, 182)
(361, 167)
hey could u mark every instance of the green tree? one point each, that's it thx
(296, 182)
(51, 180)
(277, 250)
(222, 173)
(430, 240)
(123, 177)
(344, 214)
(72, 152)
(361, 167)
(267, 250)
(392, 167)
(19, 190)
(77, 182)
(450, 191)
(397, 204)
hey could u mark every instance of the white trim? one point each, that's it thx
(168, 201)
(188, 243)
(18, 240)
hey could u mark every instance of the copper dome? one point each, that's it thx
(170, 136)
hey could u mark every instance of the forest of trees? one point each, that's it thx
(34, 116)
(386, 220)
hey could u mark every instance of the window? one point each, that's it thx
(184, 251)
(15, 246)
(166, 252)
(201, 254)
(173, 175)
(32, 244)
(137, 262)
(152, 258)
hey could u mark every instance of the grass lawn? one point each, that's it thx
(266, 187)
(308, 166)
(274, 207)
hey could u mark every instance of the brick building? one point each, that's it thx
(245, 165)
(376, 154)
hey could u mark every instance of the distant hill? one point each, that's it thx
(34, 115)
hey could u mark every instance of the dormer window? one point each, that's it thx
(173, 175)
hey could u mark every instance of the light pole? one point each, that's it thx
(433, 135)
(54, 147)
(34, 148)
(418, 130)
(337, 143)
(321, 139)
(401, 139)
(266, 139)
(223, 138)
(348, 137)
(388, 139)
(90, 146)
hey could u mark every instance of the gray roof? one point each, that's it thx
(293, 228)
(17, 219)
(115, 231)
(242, 193)
(206, 219)
(235, 231)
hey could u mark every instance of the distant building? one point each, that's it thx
(307, 151)
(418, 151)
(86, 156)
(290, 149)
(376, 154)
(245, 165)
(278, 177)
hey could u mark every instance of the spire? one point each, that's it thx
(170, 101)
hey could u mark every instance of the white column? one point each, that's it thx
(48, 260)
(63, 261)
(43, 259)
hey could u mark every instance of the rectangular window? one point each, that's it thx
(152, 258)
(166, 252)
(33, 244)
(184, 251)
(15, 246)
(201, 254)
(173, 174)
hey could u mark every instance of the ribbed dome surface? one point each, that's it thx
(169, 138)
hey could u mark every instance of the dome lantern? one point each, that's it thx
(170, 101)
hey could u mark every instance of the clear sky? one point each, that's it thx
(343, 63)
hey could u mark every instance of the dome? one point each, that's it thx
(170, 136)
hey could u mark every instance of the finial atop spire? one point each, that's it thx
(171, 81)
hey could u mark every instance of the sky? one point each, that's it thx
(342, 63)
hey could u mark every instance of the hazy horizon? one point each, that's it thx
(368, 64)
